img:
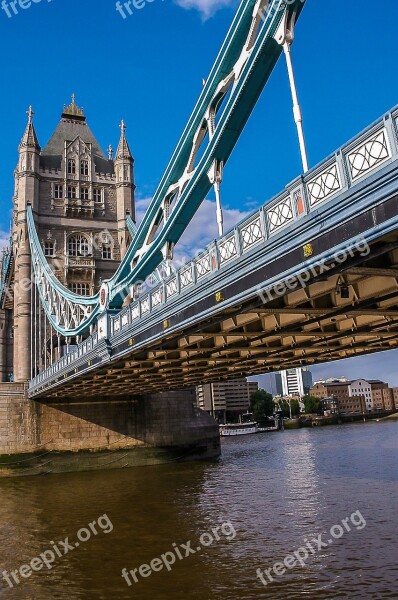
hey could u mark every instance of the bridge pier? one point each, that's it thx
(39, 437)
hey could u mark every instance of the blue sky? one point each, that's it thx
(148, 69)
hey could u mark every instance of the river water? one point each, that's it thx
(269, 495)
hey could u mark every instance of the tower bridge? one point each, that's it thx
(309, 277)
(101, 363)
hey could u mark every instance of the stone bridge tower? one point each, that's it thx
(80, 198)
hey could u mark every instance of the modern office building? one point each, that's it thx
(275, 384)
(296, 382)
(253, 387)
(226, 400)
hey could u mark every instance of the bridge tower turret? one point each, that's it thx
(27, 192)
(125, 187)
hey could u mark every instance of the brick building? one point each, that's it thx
(340, 391)
(358, 396)
(383, 397)
(395, 396)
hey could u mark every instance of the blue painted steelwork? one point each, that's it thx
(131, 226)
(157, 275)
(242, 68)
(6, 265)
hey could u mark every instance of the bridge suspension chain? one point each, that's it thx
(65, 310)
(242, 68)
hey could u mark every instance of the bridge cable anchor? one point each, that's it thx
(215, 176)
(284, 36)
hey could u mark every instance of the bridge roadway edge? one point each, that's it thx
(41, 438)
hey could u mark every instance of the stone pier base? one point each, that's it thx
(39, 437)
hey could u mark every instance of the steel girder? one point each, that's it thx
(242, 68)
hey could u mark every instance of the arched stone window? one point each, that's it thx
(107, 253)
(78, 245)
(84, 167)
(71, 166)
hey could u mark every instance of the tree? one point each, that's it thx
(312, 404)
(285, 407)
(262, 405)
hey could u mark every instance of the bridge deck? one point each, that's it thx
(310, 277)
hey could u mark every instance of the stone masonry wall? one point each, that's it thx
(157, 420)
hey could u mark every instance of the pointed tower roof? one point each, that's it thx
(72, 125)
(29, 138)
(123, 149)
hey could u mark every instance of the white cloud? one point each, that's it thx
(4, 239)
(141, 204)
(207, 8)
(201, 231)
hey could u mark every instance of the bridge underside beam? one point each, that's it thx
(349, 313)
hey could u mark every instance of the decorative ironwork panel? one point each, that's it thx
(251, 233)
(116, 325)
(171, 287)
(145, 305)
(135, 312)
(280, 215)
(324, 185)
(227, 249)
(369, 155)
(125, 319)
(157, 297)
(186, 277)
(203, 265)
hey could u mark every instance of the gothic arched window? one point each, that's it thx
(84, 167)
(78, 245)
(107, 251)
(71, 166)
(49, 248)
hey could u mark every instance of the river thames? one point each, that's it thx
(267, 497)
